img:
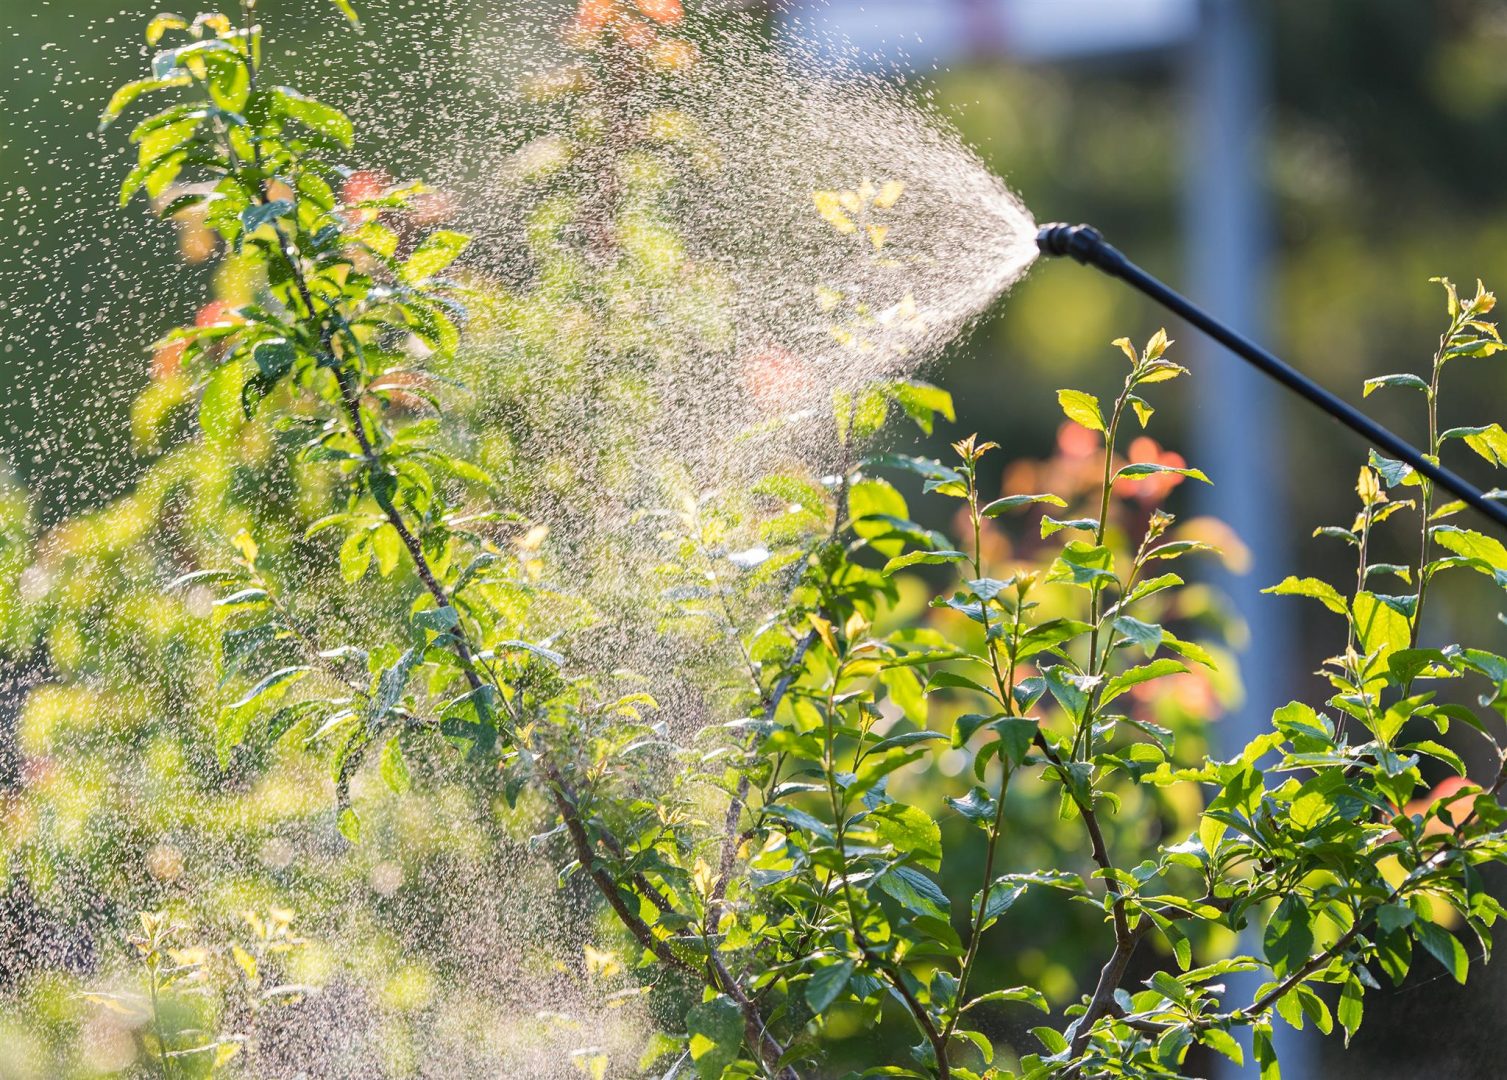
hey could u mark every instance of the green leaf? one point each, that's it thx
(161, 25)
(951, 680)
(929, 468)
(549, 656)
(1321, 591)
(977, 806)
(1148, 468)
(1392, 472)
(221, 414)
(716, 1035)
(349, 825)
(1151, 587)
(1002, 896)
(911, 832)
(316, 115)
(1028, 995)
(393, 768)
(968, 723)
(154, 176)
(1081, 408)
(1083, 564)
(1011, 502)
(254, 217)
(908, 738)
(1048, 635)
(1222, 1041)
(235, 719)
(355, 556)
(1050, 1038)
(1050, 525)
(1016, 735)
(438, 251)
(1490, 442)
(915, 891)
(1137, 675)
(1175, 549)
(1472, 545)
(1147, 635)
(1437, 750)
(270, 361)
(931, 558)
(824, 987)
(1380, 626)
(1071, 690)
(388, 548)
(1169, 986)
(1288, 940)
(1443, 947)
(348, 10)
(122, 98)
(1404, 379)
(1392, 917)
(1351, 1007)
(922, 402)
(1265, 1052)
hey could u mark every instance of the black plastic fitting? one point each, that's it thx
(1081, 242)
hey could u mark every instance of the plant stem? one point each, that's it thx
(887, 968)
(1111, 435)
(162, 1058)
(1426, 491)
(966, 972)
(1004, 683)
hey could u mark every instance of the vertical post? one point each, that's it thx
(1236, 426)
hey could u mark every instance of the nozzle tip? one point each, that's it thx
(1060, 238)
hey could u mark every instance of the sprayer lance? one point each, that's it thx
(1088, 246)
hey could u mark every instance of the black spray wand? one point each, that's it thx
(1084, 243)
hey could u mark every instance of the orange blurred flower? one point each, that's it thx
(777, 379)
(664, 12)
(638, 35)
(168, 360)
(1076, 441)
(1190, 692)
(594, 15)
(214, 313)
(361, 185)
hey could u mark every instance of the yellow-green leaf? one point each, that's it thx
(1081, 408)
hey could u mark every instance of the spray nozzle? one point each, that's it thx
(1083, 242)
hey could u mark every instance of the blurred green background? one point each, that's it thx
(1381, 162)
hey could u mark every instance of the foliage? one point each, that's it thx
(778, 879)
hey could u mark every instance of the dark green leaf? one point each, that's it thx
(1011, 502)
(716, 1035)
(827, 984)
(1443, 947)
(1288, 940)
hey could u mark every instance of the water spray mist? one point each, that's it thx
(1087, 245)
